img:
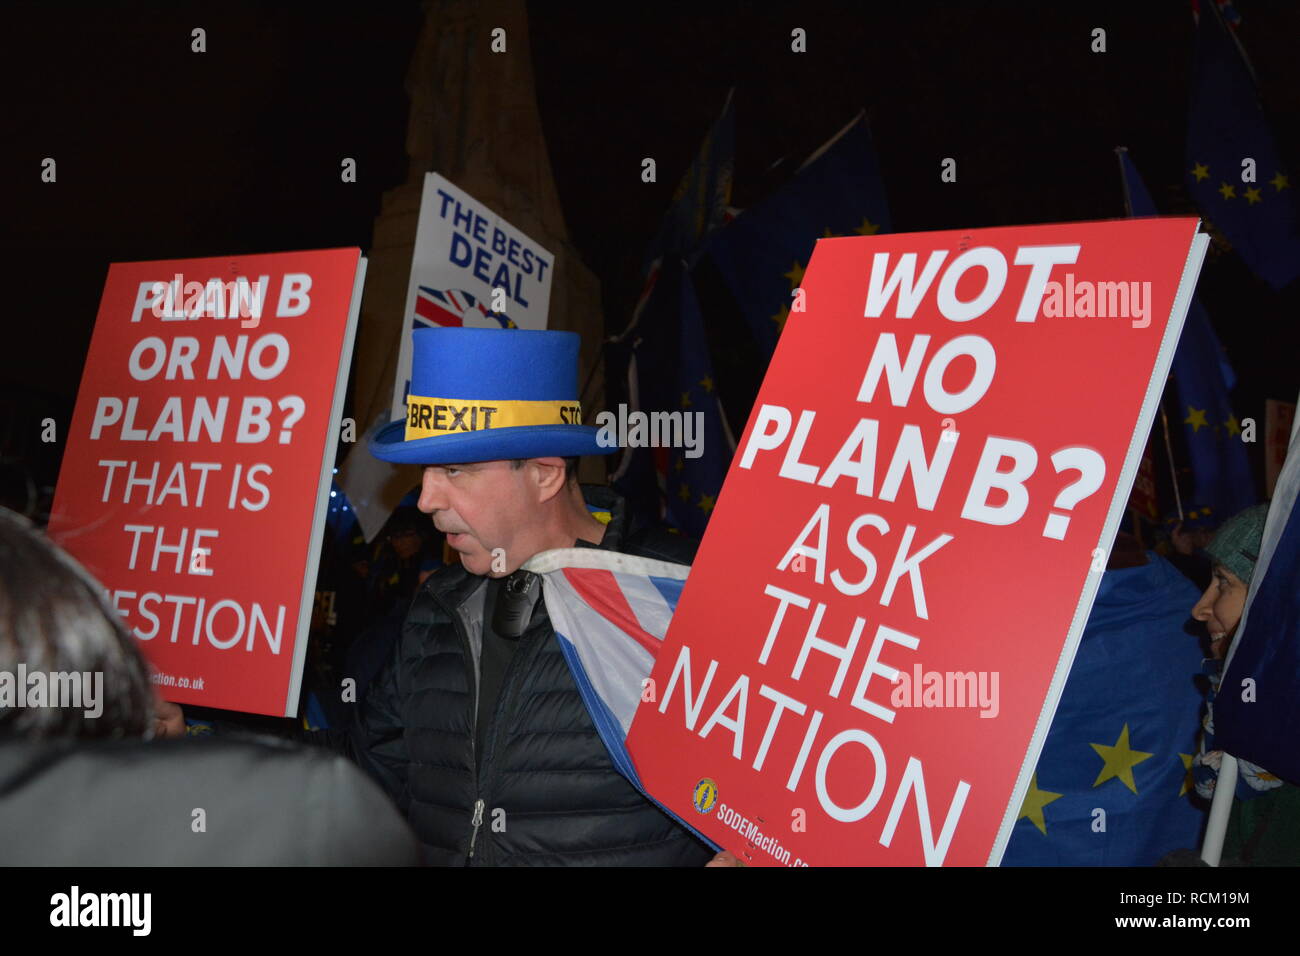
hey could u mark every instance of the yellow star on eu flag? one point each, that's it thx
(795, 275)
(1234, 426)
(706, 503)
(1035, 800)
(1228, 191)
(1119, 761)
(781, 316)
(686, 399)
(868, 228)
(1195, 418)
(1188, 781)
(1252, 195)
(1280, 182)
(1201, 171)
(684, 492)
(707, 383)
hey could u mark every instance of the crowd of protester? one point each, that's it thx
(251, 794)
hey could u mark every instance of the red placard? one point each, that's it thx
(869, 649)
(195, 480)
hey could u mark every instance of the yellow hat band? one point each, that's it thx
(428, 417)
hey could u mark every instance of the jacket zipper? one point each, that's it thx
(476, 821)
(527, 646)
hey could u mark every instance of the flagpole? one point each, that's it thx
(1120, 151)
(817, 153)
(1220, 808)
(1236, 40)
(1173, 471)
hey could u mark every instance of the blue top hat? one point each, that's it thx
(489, 394)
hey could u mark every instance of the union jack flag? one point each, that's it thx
(610, 612)
(449, 308)
(1230, 15)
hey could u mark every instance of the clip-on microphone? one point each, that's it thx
(515, 602)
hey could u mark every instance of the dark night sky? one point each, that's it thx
(165, 154)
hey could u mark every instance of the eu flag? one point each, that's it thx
(694, 476)
(675, 382)
(1260, 720)
(762, 253)
(1112, 786)
(1202, 378)
(1233, 169)
(701, 199)
(663, 354)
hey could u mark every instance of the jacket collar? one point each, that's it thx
(603, 498)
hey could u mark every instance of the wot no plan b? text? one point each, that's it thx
(1042, 294)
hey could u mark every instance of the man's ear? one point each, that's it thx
(549, 477)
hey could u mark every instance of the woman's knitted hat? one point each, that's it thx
(1236, 544)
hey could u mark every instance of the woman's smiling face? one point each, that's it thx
(1220, 608)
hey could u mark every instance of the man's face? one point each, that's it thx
(481, 507)
(1220, 608)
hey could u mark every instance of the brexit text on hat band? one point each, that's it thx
(429, 417)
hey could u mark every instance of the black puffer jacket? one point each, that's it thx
(547, 793)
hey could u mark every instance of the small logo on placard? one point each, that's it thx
(705, 795)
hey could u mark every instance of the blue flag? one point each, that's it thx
(1112, 786)
(1202, 378)
(664, 353)
(675, 382)
(1260, 721)
(702, 196)
(694, 476)
(762, 253)
(1225, 127)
